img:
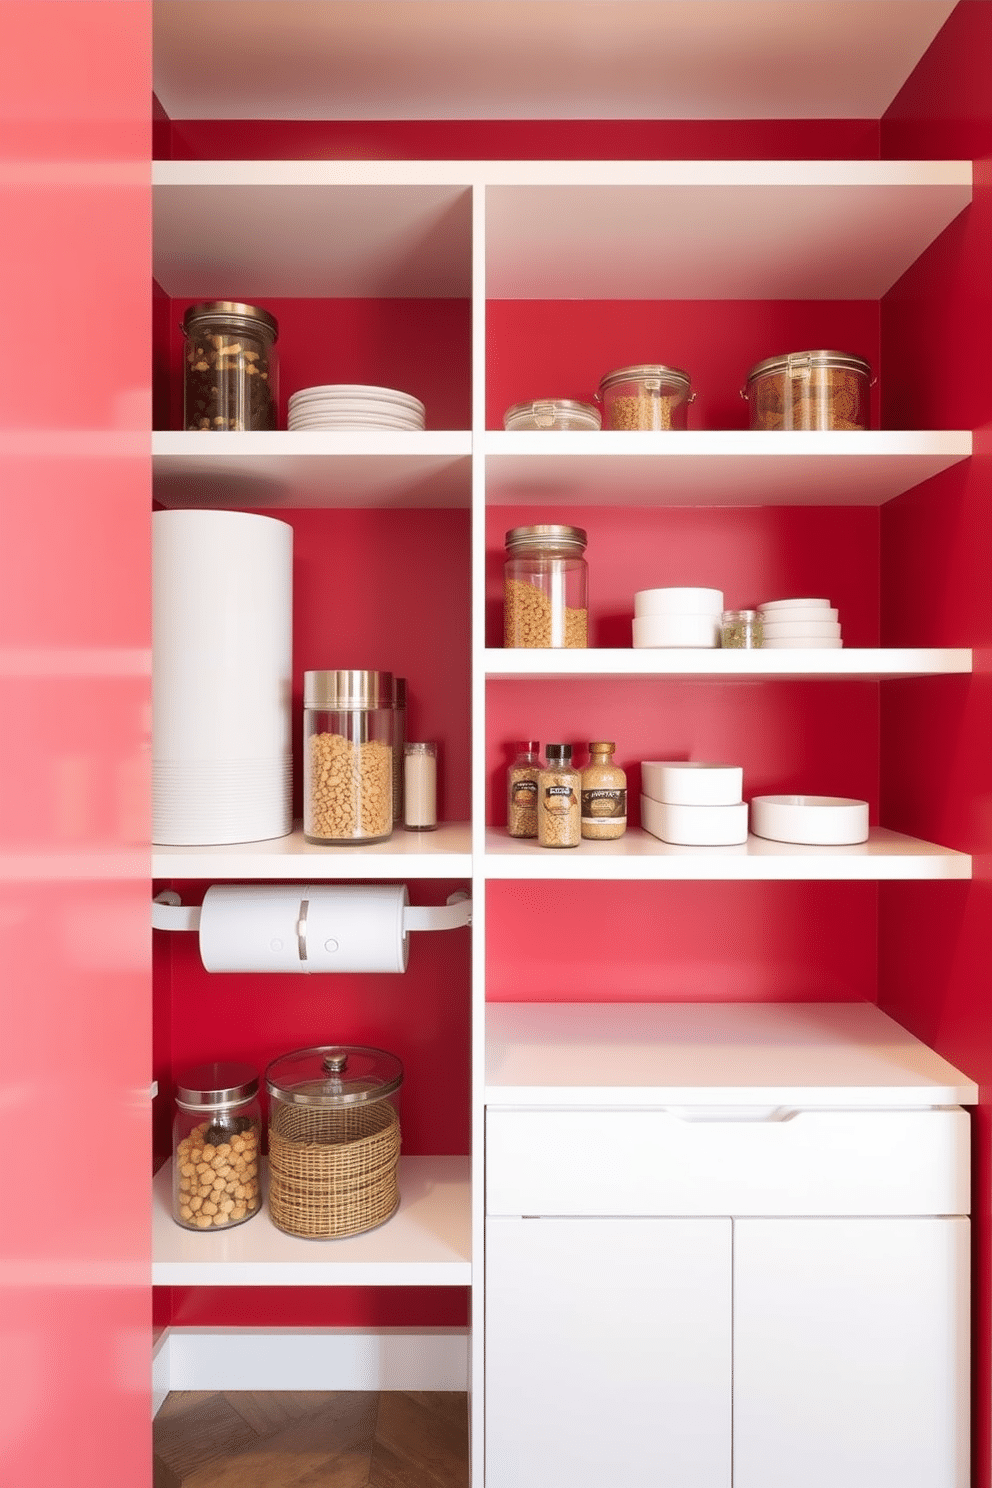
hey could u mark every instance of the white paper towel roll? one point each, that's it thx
(222, 592)
(304, 927)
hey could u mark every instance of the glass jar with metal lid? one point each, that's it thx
(809, 390)
(545, 587)
(216, 1140)
(334, 1139)
(648, 396)
(347, 756)
(552, 413)
(231, 369)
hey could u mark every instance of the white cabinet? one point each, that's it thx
(608, 1353)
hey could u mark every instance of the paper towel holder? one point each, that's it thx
(306, 927)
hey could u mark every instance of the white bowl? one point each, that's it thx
(692, 782)
(676, 630)
(822, 820)
(695, 826)
(798, 616)
(810, 643)
(678, 602)
(794, 604)
(784, 631)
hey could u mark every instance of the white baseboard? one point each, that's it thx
(309, 1359)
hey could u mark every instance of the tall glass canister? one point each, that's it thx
(231, 370)
(347, 756)
(216, 1140)
(545, 587)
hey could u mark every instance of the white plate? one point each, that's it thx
(810, 643)
(795, 604)
(800, 629)
(798, 616)
(332, 391)
(355, 422)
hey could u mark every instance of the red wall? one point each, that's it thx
(935, 948)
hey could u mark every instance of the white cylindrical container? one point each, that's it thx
(695, 826)
(676, 630)
(678, 602)
(222, 593)
(420, 787)
(833, 821)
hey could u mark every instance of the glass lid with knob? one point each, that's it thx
(334, 1075)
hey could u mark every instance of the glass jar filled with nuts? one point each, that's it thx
(348, 721)
(215, 1169)
(231, 372)
(545, 583)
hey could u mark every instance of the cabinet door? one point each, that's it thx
(608, 1353)
(851, 1353)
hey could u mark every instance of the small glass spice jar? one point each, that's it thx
(552, 413)
(231, 368)
(521, 789)
(809, 390)
(604, 795)
(545, 587)
(347, 756)
(649, 396)
(215, 1144)
(420, 787)
(558, 791)
(741, 630)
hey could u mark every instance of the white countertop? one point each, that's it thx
(795, 1055)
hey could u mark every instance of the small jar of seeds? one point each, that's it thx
(231, 372)
(559, 821)
(521, 789)
(215, 1168)
(604, 794)
(545, 584)
(741, 630)
(648, 396)
(347, 756)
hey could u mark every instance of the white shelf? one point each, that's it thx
(714, 467)
(763, 1054)
(426, 1243)
(886, 855)
(871, 664)
(283, 468)
(446, 853)
(707, 229)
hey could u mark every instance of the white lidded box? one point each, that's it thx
(695, 826)
(678, 602)
(791, 629)
(692, 782)
(830, 821)
(797, 615)
(676, 630)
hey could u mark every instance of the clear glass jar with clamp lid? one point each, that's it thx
(545, 587)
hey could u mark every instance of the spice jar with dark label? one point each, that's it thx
(231, 370)
(545, 580)
(521, 789)
(558, 789)
(604, 795)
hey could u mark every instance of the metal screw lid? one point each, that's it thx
(235, 310)
(546, 535)
(559, 754)
(209, 1086)
(347, 689)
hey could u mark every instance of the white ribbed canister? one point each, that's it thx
(222, 656)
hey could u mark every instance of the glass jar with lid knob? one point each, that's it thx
(216, 1141)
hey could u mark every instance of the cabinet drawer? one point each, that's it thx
(687, 1162)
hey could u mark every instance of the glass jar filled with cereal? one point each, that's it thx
(348, 719)
(545, 584)
(215, 1176)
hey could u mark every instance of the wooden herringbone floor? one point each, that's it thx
(312, 1439)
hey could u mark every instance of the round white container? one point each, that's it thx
(222, 590)
(676, 630)
(809, 643)
(795, 604)
(800, 616)
(692, 782)
(695, 826)
(831, 821)
(678, 602)
(790, 630)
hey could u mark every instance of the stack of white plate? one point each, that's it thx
(347, 405)
(788, 623)
(677, 617)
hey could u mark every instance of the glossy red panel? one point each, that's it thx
(562, 348)
(74, 690)
(935, 942)
(320, 1307)
(680, 942)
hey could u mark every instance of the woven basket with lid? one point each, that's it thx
(334, 1140)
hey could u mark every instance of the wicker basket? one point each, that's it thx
(333, 1168)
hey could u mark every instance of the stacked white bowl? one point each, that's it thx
(677, 617)
(800, 622)
(348, 405)
(693, 803)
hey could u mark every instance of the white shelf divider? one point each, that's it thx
(446, 853)
(849, 663)
(638, 855)
(426, 1243)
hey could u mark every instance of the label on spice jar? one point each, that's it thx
(604, 805)
(523, 793)
(559, 798)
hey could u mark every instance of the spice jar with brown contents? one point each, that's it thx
(230, 366)
(809, 390)
(604, 795)
(347, 756)
(521, 789)
(215, 1170)
(545, 582)
(558, 788)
